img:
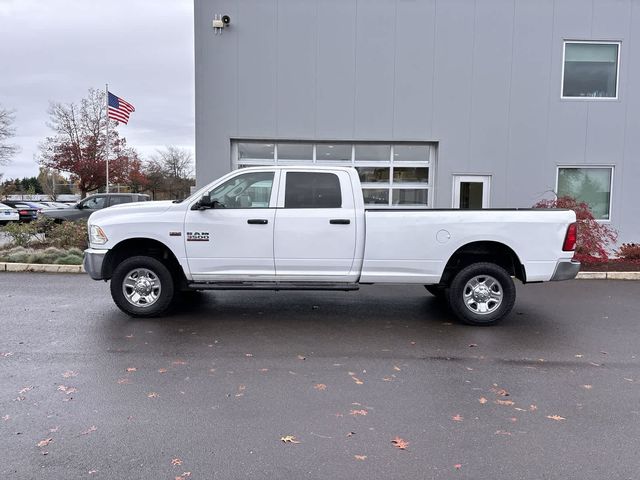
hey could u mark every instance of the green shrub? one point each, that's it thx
(21, 234)
(50, 255)
(68, 235)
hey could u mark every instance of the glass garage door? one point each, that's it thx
(392, 174)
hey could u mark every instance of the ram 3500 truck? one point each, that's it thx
(307, 228)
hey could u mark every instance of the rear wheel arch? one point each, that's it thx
(484, 251)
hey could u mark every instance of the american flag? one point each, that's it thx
(119, 110)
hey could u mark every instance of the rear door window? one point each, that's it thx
(312, 190)
(120, 199)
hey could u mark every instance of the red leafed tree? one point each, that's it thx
(594, 239)
(78, 145)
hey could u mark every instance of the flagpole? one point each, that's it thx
(107, 112)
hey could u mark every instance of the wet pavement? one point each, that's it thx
(210, 390)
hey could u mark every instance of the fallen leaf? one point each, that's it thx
(248, 354)
(320, 386)
(55, 429)
(183, 476)
(578, 356)
(45, 442)
(457, 466)
(357, 380)
(457, 418)
(387, 379)
(67, 390)
(400, 443)
(351, 434)
(132, 369)
(176, 462)
(502, 432)
(396, 368)
(178, 362)
(519, 409)
(91, 472)
(587, 387)
(471, 345)
(507, 403)
(629, 379)
(69, 374)
(533, 408)
(264, 370)
(6, 417)
(25, 390)
(502, 392)
(557, 418)
(300, 357)
(162, 370)
(355, 413)
(483, 400)
(129, 336)
(289, 439)
(6, 354)
(92, 428)
(123, 381)
(152, 395)
(360, 457)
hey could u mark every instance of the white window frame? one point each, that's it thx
(390, 186)
(611, 167)
(592, 42)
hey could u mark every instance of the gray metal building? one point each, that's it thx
(443, 103)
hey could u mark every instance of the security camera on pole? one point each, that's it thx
(118, 110)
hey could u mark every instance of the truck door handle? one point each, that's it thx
(257, 221)
(339, 221)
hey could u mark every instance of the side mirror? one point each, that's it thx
(203, 203)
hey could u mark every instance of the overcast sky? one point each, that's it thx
(55, 50)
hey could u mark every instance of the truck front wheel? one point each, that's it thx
(142, 286)
(482, 294)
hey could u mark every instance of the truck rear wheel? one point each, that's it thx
(142, 286)
(482, 294)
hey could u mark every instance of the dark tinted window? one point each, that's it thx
(121, 199)
(312, 190)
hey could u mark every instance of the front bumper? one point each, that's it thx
(92, 262)
(566, 270)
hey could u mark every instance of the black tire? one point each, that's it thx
(159, 276)
(2, 224)
(462, 297)
(437, 291)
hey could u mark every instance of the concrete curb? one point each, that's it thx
(45, 268)
(40, 268)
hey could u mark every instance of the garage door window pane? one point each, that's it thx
(590, 70)
(411, 153)
(589, 185)
(373, 174)
(410, 175)
(256, 151)
(375, 196)
(368, 153)
(410, 197)
(301, 152)
(333, 152)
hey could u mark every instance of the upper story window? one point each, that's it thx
(312, 190)
(590, 70)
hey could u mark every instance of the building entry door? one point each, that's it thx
(471, 191)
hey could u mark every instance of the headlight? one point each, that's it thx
(97, 235)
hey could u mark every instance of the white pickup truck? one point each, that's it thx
(306, 228)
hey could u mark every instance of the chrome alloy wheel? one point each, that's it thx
(483, 294)
(141, 287)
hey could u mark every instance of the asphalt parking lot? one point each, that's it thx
(210, 391)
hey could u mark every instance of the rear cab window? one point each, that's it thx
(312, 190)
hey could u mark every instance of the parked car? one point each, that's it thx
(306, 228)
(27, 212)
(56, 205)
(8, 214)
(86, 207)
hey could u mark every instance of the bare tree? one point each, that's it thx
(171, 170)
(7, 150)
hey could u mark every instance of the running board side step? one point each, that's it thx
(273, 286)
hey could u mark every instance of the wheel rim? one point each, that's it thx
(141, 287)
(483, 294)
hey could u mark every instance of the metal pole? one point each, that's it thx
(107, 157)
